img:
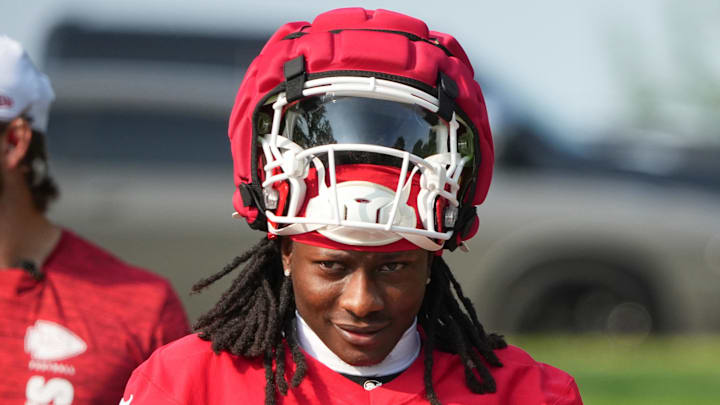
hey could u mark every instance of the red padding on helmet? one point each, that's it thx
(353, 46)
(358, 18)
(315, 239)
(473, 229)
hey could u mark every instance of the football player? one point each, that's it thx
(361, 147)
(75, 320)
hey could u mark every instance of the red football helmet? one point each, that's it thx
(362, 130)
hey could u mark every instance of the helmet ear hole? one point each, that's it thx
(446, 215)
(450, 217)
(271, 198)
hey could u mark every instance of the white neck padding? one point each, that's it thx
(400, 358)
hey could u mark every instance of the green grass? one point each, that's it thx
(657, 370)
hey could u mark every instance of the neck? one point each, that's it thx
(400, 358)
(25, 233)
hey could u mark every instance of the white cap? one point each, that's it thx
(24, 90)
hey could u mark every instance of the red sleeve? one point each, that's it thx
(172, 323)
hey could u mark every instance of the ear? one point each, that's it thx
(286, 249)
(16, 142)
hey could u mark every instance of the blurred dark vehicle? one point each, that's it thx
(605, 236)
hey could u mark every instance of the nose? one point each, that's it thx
(361, 296)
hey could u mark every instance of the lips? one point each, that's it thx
(360, 335)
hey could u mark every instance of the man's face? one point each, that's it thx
(358, 303)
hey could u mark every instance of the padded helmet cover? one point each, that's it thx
(360, 42)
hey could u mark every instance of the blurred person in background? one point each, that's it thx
(361, 146)
(75, 321)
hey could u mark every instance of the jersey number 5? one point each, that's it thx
(56, 391)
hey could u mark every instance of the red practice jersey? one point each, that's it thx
(75, 336)
(188, 372)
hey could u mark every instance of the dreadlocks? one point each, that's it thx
(257, 311)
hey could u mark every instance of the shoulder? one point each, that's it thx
(515, 357)
(187, 369)
(190, 352)
(91, 280)
(521, 379)
(81, 257)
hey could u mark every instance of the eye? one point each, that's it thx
(331, 266)
(391, 267)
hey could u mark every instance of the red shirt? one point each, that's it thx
(75, 336)
(188, 372)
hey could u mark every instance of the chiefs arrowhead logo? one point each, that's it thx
(52, 342)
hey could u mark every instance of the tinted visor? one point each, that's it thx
(326, 119)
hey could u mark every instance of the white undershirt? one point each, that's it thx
(400, 358)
